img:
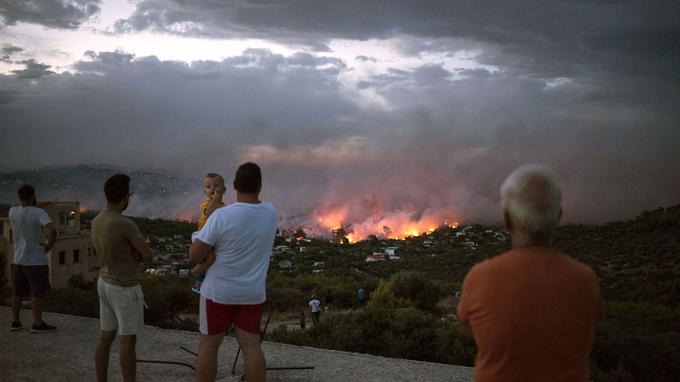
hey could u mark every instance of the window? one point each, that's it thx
(62, 257)
(76, 256)
(67, 222)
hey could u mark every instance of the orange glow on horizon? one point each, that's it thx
(187, 218)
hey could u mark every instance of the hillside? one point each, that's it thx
(156, 194)
(635, 260)
(411, 298)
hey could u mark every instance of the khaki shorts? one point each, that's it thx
(120, 308)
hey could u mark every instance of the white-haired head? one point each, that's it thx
(531, 199)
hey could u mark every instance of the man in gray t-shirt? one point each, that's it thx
(121, 300)
(30, 270)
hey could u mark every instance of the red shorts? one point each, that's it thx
(217, 318)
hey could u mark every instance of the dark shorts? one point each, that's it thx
(31, 280)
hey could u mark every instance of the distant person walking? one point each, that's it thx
(361, 294)
(531, 310)
(121, 300)
(241, 236)
(302, 320)
(30, 271)
(315, 307)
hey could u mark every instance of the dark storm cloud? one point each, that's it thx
(33, 70)
(621, 48)
(119, 103)
(62, 14)
(441, 145)
(7, 51)
(430, 74)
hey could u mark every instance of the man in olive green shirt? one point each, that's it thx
(121, 301)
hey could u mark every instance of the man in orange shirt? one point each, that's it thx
(532, 310)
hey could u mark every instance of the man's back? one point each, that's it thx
(112, 237)
(243, 236)
(27, 234)
(532, 312)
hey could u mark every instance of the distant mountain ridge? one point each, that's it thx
(155, 194)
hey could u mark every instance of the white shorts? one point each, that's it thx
(120, 308)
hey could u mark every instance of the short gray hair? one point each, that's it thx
(532, 198)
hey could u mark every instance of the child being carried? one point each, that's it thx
(214, 189)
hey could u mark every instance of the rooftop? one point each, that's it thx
(67, 355)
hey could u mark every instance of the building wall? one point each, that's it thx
(65, 216)
(71, 256)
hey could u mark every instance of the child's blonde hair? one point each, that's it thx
(214, 175)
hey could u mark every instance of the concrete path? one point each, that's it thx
(67, 355)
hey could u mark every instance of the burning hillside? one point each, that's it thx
(391, 225)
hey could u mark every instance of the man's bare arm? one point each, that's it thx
(198, 251)
(51, 236)
(203, 266)
(144, 250)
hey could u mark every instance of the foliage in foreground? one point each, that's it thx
(400, 321)
(402, 332)
(167, 298)
(635, 260)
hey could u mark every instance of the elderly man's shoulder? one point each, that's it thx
(487, 265)
(514, 258)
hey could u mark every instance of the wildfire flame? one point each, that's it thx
(394, 225)
(332, 219)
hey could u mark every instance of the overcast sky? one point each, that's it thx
(377, 109)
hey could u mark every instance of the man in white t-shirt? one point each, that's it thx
(30, 270)
(242, 236)
(315, 306)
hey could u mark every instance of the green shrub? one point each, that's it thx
(638, 339)
(167, 297)
(70, 300)
(408, 289)
(402, 332)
